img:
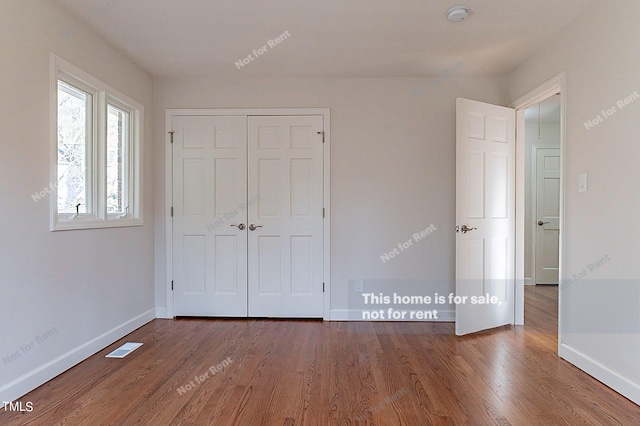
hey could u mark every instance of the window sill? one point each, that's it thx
(64, 224)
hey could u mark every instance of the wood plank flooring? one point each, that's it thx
(334, 373)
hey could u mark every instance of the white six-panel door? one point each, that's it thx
(209, 196)
(286, 247)
(248, 216)
(485, 185)
(547, 215)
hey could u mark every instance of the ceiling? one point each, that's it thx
(548, 111)
(328, 38)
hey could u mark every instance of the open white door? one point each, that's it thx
(485, 216)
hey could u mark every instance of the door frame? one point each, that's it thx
(542, 92)
(534, 202)
(174, 112)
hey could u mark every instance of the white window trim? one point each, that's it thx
(96, 216)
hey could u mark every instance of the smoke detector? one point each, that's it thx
(458, 13)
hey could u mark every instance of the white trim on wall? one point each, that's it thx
(606, 375)
(42, 374)
(170, 113)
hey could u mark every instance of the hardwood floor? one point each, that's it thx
(343, 373)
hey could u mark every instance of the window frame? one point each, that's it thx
(91, 134)
(128, 152)
(102, 95)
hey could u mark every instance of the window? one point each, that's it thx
(96, 137)
(75, 107)
(118, 142)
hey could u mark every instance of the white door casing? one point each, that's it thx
(485, 202)
(547, 219)
(285, 261)
(550, 88)
(209, 191)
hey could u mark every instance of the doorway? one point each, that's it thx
(490, 215)
(551, 93)
(542, 192)
(248, 226)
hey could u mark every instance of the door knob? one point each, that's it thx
(466, 229)
(253, 227)
(240, 227)
(540, 223)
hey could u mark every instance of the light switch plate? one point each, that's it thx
(582, 182)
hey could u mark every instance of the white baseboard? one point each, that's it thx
(356, 315)
(38, 376)
(161, 313)
(529, 281)
(614, 380)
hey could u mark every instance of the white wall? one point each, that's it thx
(549, 135)
(599, 54)
(71, 286)
(392, 169)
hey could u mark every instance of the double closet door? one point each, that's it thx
(248, 216)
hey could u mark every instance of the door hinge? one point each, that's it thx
(322, 133)
(171, 133)
(171, 211)
(323, 287)
(323, 212)
(171, 285)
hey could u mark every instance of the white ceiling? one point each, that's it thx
(329, 38)
(548, 111)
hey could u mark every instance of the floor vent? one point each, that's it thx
(124, 350)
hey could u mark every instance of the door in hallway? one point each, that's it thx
(547, 215)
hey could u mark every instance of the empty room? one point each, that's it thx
(309, 213)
